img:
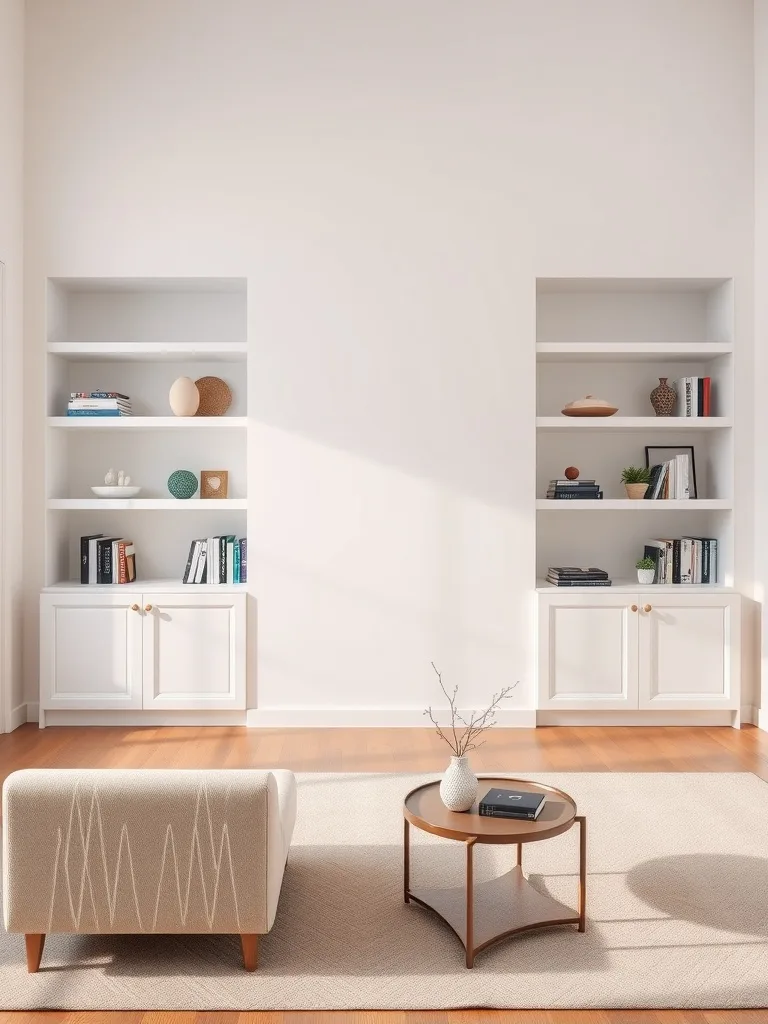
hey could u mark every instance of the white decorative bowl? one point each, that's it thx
(115, 492)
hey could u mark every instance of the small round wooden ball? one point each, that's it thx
(571, 473)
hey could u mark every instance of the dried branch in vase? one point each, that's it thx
(462, 735)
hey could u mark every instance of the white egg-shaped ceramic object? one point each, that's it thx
(184, 397)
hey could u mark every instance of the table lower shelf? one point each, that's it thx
(501, 907)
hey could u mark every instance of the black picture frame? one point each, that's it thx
(658, 453)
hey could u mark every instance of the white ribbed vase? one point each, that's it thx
(458, 787)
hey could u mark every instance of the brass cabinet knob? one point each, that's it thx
(633, 607)
(134, 607)
(647, 608)
(147, 607)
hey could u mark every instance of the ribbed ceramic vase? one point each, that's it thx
(663, 398)
(458, 787)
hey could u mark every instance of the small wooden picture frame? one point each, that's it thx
(214, 483)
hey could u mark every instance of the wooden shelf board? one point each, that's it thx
(96, 352)
(618, 423)
(149, 504)
(168, 586)
(627, 505)
(89, 423)
(671, 352)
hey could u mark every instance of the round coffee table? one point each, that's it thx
(484, 913)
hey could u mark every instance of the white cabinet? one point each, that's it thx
(194, 652)
(689, 652)
(627, 651)
(154, 651)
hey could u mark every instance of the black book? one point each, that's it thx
(578, 583)
(699, 395)
(104, 560)
(572, 483)
(222, 559)
(653, 481)
(574, 570)
(85, 555)
(676, 561)
(512, 803)
(190, 557)
(575, 495)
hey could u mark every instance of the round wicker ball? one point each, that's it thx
(182, 483)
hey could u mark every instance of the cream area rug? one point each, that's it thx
(677, 913)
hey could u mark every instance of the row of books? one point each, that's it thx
(568, 490)
(107, 559)
(683, 559)
(98, 403)
(572, 576)
(217, 560)
(694, 396)
(671, 479)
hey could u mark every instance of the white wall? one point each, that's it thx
(11, 256)
(390, 176)
(761, 332)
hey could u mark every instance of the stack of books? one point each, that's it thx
(571, 576)
(683, 559)
(671, 479)
(107, 559)
(512, 803)
(694, 396)
(568, 490)
(98, 403)
(217, 560)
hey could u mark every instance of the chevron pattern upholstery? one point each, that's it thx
(129, 851)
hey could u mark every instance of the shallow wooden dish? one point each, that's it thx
(590, 410)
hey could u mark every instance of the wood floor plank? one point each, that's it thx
(523, 751)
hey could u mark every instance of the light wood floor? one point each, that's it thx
(592, 749)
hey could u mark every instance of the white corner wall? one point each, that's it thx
(11, 368)
(391, 177)
(761, 339)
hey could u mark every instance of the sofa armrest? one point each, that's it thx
(126, 851)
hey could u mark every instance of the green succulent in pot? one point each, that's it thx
(635, 480)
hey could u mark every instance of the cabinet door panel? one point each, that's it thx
(689, 652)
(90, 652)
(194, 651)
(588, 652)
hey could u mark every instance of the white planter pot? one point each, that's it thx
(645, 576)
(458, 787)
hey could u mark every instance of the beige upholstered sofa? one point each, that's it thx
(128, 851)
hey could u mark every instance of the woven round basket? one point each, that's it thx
(182, 483)
(215, 396)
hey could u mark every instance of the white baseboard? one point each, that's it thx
(749, 714)
(367, 718)
(138, 718)
(642, 718)
(33, 711)
(761, 718)
(18, 717)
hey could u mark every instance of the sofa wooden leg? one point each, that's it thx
(35, 945)
(250, 944)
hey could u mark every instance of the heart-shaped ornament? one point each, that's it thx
(214, 482)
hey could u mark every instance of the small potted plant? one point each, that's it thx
(646, 570)
(635, 480)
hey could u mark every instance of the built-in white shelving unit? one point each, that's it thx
(136, 336)
(630, 648)
(156, 645)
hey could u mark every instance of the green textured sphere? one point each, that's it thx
(182, 483)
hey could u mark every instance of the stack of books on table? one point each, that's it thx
(683, 559)
(98, 403)
(671, 479)
(107, 559)
(217, 560)
(694, 396)
(512, 803)
(571, 576)
(568, 490)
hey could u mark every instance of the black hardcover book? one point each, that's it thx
(84, 556)
(583, 495)
(104, 560)
(575, 570)
(190, 556)
(653, 481)
(649, 551)
(243, 560)
(512, 803)
(699, 395)
(676, 560)
(579, 583)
